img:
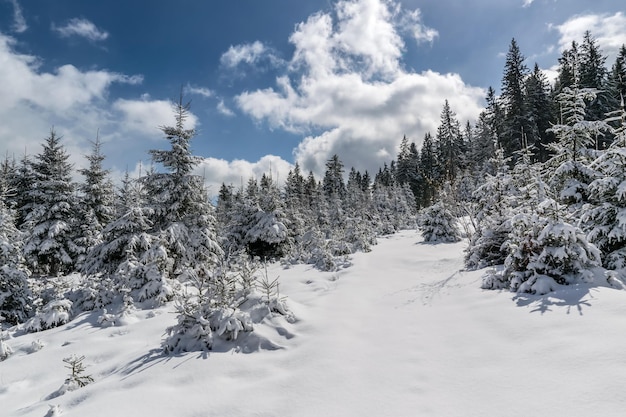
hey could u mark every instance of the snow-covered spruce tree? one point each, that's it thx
(359, 228)
(545, 250)
(115, 265)
(438, 224)
(184, 223)
(494, 210)
(16, 299)
(50, 247)
(574, 149)
(604, 218)
(97, 201)
(268, 236)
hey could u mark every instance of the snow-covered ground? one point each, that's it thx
(404, 331)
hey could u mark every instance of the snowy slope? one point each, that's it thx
(402, 332)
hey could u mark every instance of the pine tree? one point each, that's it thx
(16, 299)
(449, 144)
(569, 69)
(593, 75)
(573, 151)
(438, 224)
(50, 247)
(428, 170)
(616, 82)
(125, 246)
(545, 250)
(603, 219)
(494, 201)
(333, 184)
(540, 110)
(516, 118)
(184, 222)
(97, 202)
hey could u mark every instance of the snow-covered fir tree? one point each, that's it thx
(50, 247)
(604, 218)
(545, 250)
(438, 224)
(575, 147)
(97, 200)
(123, 252)
(184, 222)
(16, 299)
(494, 200)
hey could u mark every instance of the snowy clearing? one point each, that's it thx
(404, 331)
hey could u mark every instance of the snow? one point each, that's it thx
(403, 331)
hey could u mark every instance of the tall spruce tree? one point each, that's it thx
(517, 121)
(97, 199)
(593, 75)
(573, 151)
(540, 109)
(184, 220)
(449, 144)
(50, 247)
(16, 299)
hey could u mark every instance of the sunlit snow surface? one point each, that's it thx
(402, 332)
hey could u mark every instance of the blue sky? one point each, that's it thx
(271, 82)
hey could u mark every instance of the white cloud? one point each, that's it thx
(19, 23)
(412, 23)
(83, 28)
(608, 30)
(224, 110)
(250, 54)
(527, 3)
(237, 172)
(146, 115)
(347, 91)
(201, 91)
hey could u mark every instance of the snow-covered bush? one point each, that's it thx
(438, 224)
(223, 306)
(545, 251)
(53, 314)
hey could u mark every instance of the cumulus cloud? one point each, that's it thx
(250, 54)
(237, 172)
(348, 93)
(146, 115)
(527, 3)
(609, 30)
(83, 28)
(19, 23)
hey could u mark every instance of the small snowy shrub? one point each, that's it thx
(5, 349)
(438, 224)
(76, 378)
(270, 294)
(53, 314)
(36, 346)
(229, 322)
